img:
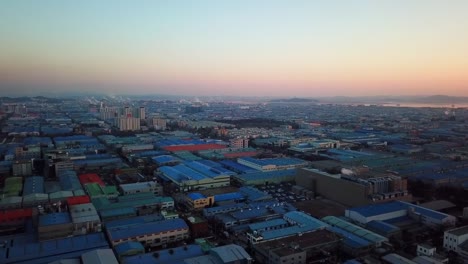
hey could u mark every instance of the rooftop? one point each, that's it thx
(458, 231)
(54, 219)
(123, 232)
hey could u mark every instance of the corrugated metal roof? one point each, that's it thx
(124, 248)
(359, 231)
(196, 196)
(147, 228)
(54, 219)
(99, 256)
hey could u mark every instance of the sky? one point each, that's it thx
(310, 48)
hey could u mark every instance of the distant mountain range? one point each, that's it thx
(295, 100)
(433, 99)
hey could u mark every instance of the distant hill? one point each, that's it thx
(294, 100)
(433, 99)
(442, 99)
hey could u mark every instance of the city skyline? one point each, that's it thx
(300, 48)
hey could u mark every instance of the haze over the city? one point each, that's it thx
(252, 48)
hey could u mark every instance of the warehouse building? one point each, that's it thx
(141, 187)
(318, 246)
(150, 234)
(194, 175)
(194, 254)
(294, 223)
(370, 236)
(272, 164)
(396, 209)
(265, 177)
(24, 248)
(54, 225)
(85, 218)
(453, 238)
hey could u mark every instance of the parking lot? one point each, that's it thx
(282, 192)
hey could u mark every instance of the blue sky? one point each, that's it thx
(297, 48)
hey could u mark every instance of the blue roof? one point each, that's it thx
(181, 172)
(228, 197)
(378, 209)
(304, 219)
(253, 193)
(34, 184)
(51, 250)
(382, 226)
(265, 175)
(150, 153)
(267, 224)
(134, 221)
(199, 167)
(117, 212)
(250, 213)
(69, 181)
(165, 159)
(352, 261)
(164, 257)
(37, 141)
(124, 247)
(75, 138)
(426, 212)
(210, 163)
(196, 196)
(54, 219)
(350, 239)
(98, 156)
(237, 166)
(278, 208)
(147, 228)
(99, 162)
(274, 161)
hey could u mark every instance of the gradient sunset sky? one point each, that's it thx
(243, 47)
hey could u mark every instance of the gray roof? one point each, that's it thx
(104, 256)
(438, 205)
(230, 253)
(458, 231)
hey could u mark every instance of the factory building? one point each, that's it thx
(396, 209)
(272, 163)
(141, 187)
(150, 234)
(194, 175)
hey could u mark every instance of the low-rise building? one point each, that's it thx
(455, 237)
(141, 187)
(150, 234)
(318, 246)
(55, 225)
(272, 163)
(395, 209)
(85, 218)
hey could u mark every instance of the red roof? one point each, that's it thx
(232, 155)
(90, 178)
(16, 214)
(83, 199)
(194, 147)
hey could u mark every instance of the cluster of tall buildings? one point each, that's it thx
(125, 118)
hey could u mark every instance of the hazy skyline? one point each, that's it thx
(271, 48)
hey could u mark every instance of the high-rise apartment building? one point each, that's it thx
(239, 143)
(127, 123)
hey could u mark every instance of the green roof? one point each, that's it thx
(93, 189)
(354, 229)
(110, 190)
(186, 155)
(13, 186)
